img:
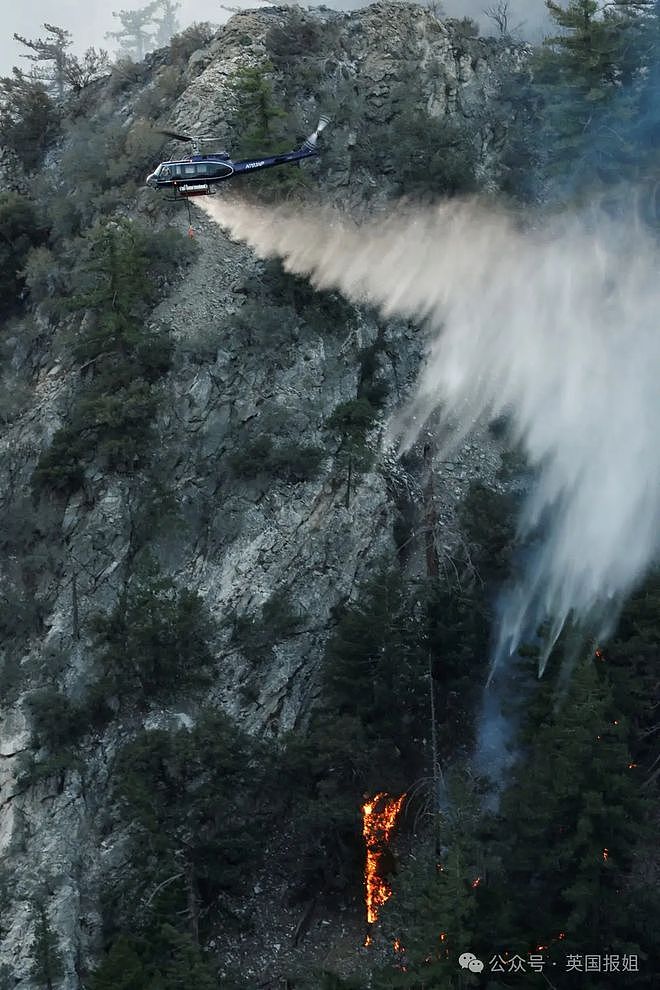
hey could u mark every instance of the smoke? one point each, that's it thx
(556, 327)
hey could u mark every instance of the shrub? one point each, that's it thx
(296, 462)
(291, 461)
(60, 468)
(56, 720)
(29, 119)
(192, 800)
(190, 40)
(20, 231)
(256, 636)
(251, 459)
(44, 279)
(487, 519)
(352, 420)
(157, 639)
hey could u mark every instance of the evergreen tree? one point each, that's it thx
(257, 113)
(570, 822)
(136, 34)
(53, 50)
(193, 799)
(433, 913)
(120, 969)
(81, 72)
(167, 23)
(375, 671)
(585, 76)
(20, 231)
(46, 957)
(155, 639)
(29, 121)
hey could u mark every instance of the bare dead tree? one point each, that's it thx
(499, 13)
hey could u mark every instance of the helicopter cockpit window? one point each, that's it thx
(164, 172)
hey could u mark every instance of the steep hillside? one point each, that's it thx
(260, 363)
(231, 615)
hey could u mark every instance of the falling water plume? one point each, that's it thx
(556, 327)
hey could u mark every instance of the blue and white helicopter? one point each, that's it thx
(199, 174)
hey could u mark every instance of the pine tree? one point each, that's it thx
(120, 969)
(584, 76)
(53, 50)
(434, 911)
(136, 34)
(47, 960)
(167, 23)
(29, 120)
(257, 111)
(375, 671)
(570, 822)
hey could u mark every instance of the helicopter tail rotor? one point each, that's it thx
(310, 142)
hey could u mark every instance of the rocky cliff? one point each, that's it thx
(240, 372)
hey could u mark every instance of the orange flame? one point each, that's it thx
(475, 883)
(631, 766)
(606, 855)
(379, 816)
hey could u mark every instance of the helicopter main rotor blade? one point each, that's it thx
(175, 135)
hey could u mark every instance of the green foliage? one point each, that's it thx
(192, 799)
(577, 791)
(486, 518)
(136, 33)
(590, 78)
(111, 418)
(438, 156)
(190, 40)
(434, 911)
(256, 636)
(166, 960)
(259, 124)
(352, 420)
(374, 656)
(20, 231)
(257, 115)
(322, 311)
(292, 462)
(156, 640)
(60, 468)
(47, 965)
(29, 119)
(56, 720)
(369, 733)
(44, 279)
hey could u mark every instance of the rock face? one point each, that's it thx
(236, 541)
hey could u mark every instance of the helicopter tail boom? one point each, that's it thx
(309, 144)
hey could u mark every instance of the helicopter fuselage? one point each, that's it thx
(198, 175)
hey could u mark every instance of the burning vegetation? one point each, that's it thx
(379, 818)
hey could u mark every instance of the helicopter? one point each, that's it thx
(199, 174)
